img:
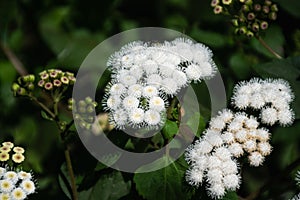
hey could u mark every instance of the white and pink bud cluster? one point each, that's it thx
(145, 75)
(231, 135)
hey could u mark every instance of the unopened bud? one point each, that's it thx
(248, 2)
(218, 9)
(235, 22)
(274, 8)
(272, 15)
(266, 9)
(268, 2)
(21, 91)
(249, 34)
(264, 25)
(242, 30)
(257, 7)
(15, 87)
(245, 8)
(30, 86)
(255, 27)
(251, 16)
(213, 3)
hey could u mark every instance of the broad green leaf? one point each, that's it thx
(209, 38)
(231, 196)
(164, 184)
(170, 129)
(196, 119)
(274, 38)
(240, 65)
(109, 187)
(292, 6)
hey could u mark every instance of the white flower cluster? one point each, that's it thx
(15, 185)
(231, 135)
(146, 74)
(271, 97)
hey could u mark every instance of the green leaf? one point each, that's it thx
(274, 38)
(209, 38)
(231, 195)
(46, 116)
(170, 129)
(240, 65)
(109, 187)
(163, 184)
(196, 119)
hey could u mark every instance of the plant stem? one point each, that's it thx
(262, 42)
(14, 59)
(71, 173)
(45, 108)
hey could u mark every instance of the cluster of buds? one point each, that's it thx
(53, 79)
(24, 85)
(249, 16)
(14, 183)
(9, 151)
(231, 135)
(83, 111)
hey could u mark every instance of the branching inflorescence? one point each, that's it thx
(145, 75)
(230, 135)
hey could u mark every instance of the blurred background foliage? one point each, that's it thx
(60, 34)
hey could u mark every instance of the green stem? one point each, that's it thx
(262, 42)
(45, 108)
(71, 173)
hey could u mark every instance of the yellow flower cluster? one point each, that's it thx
(9, 150)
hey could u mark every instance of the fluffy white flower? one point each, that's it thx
(28, 186)
(2, 171)
(166, 69)
(11, 175)
(217, 123)
(201, 162)
(6, 186)
(216, 190)
(169, 86)
(136, 116)
(18, 194)
(241, 135)
(222, 153)
(229, 167)
(264, 148)
(157, 103)
(262, 134)
(135, 90)
(257, 101)
(180, 78)
(269, 115)
(228, 137)
(236, 149)
(127, 80)
(113, 102)
(130, 102)
(231, 181)
(136, 71)
(119, 118)
(214, 162)
(226, 115)
(285, 117)
(249, 145)
(150, 91)
(193, 73)
(24, 175)
(214, 176)
(117, 89)
(194, 176)
(150, 67)
(251, 123)
(256, 159)
(213, 137)
(155, 80)
(152, 117)
(203, 146)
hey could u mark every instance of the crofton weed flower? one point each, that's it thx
(145, 75)
(230, 135)
(15, 184)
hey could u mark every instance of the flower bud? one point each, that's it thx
(64, 80)
(226, 2)
(264, 25)
(21, 91)
(213, 3)
(218, 9)
(48, 86)
(268, 2)
(249, 2)
(257, 7)
(90, 109)
(235, 22)
(242, 30)
(249, 34)
(30, 86)
(81, 103)
(274, 8)
(15, 87)
(245, 8)
(255, 27)
(28, 78)
(266, 9)
(272, 15)
(41, 83)
(251, 16)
